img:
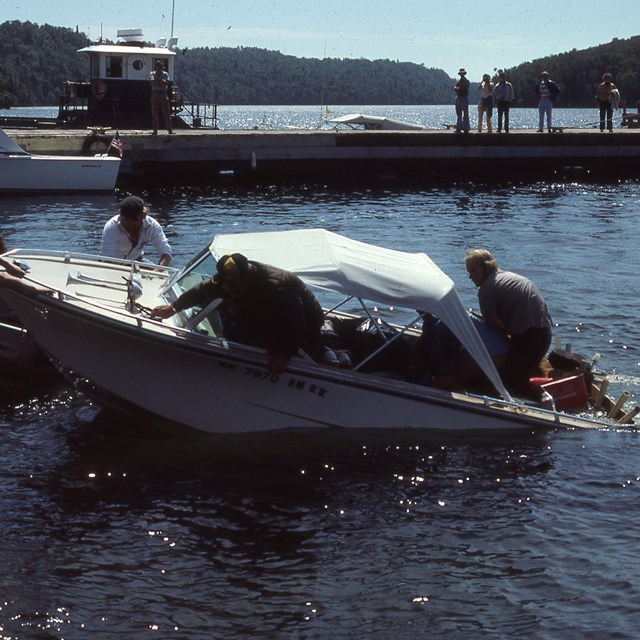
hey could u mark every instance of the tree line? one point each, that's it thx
(247, 75)
(578, 73)
(36, 60)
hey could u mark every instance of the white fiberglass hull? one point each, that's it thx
(211, 388)
(57, 173)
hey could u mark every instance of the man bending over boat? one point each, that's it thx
(513, 304)
(264, 306)
(126, 234)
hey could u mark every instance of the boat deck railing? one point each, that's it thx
(195, 114)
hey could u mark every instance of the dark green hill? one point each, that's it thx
(36, 60)
(247, 75)
(578, 73)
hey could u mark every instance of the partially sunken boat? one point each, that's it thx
(96, 324)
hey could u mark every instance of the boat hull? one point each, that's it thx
(29, 173)
(209, 387)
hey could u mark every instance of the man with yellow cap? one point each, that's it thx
(264, 306)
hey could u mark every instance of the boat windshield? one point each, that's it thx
(201, 268)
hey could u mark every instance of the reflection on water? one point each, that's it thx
(134, 529)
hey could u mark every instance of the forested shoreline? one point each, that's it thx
(37, 59)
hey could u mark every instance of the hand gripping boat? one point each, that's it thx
(98, 331)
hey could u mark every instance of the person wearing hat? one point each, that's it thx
(264, 306)
(126, 234)
(462, 102)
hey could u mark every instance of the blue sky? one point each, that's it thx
(446, 34)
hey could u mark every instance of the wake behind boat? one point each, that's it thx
(25, 172)
(95, 326)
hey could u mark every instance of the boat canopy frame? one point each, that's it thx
(331, 262)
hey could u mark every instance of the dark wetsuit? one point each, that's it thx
(280, 313)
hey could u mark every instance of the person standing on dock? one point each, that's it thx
(512, 304)
(546, 92)
(485, 104)
(503, 93)
(605, 96)
(462, 102)
(159, 98)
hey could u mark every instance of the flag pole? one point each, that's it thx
(173, 12)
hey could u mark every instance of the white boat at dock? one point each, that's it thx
(22, 172)
(374, 123)
(184, 370)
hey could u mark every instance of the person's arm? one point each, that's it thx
(16, 284)
(159, 240)
(199, 295)
(12, 269)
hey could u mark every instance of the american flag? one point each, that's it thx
(116, 145)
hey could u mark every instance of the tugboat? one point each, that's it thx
(118, 92)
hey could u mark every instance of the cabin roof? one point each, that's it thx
(128, 49)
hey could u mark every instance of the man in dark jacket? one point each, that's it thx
(546, 93)
(264, 306)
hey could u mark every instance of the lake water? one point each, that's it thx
(313, 117)
(113, 528)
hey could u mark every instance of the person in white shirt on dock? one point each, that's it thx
(503, 93)
(126, 234)
(485, 104)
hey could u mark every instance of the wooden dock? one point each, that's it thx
(254, 155)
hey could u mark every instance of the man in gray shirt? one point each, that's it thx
(513, 304)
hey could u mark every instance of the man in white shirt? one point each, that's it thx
(126, 234)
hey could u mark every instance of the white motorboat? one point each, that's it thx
(25, 172)
(185, 371)
(374, 123)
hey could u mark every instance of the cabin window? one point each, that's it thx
(94, 70)
(137, 65)
(114, 66)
